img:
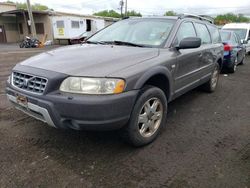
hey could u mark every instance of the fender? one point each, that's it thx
(159, 70)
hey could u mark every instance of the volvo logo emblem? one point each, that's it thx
(25, 82)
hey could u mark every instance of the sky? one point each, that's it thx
(150, 7)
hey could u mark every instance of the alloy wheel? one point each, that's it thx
(215, 77)
(150, 117)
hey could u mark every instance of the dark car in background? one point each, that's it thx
(234, 50)
(123, 77)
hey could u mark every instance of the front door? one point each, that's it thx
(2, 34)
(186, 74)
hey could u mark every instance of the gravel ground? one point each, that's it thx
(206, 143)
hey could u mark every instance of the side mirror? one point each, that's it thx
(243, 41)
(189, 42)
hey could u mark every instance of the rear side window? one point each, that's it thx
(215, 34)
(203, 33)
(186, 30)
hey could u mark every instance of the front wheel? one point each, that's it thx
(147, 118)
(243, 60)
(211, 85)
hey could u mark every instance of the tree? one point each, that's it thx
(114, 14)
(134, 13)
(230, 17)
(108, 13)
(35, 6)
(170, 13)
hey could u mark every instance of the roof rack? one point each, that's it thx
(181, 16)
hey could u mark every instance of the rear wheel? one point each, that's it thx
(211, 85)
(147, 118)
(233, 68)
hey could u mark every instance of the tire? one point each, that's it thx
(243, 60)
(21, 45)
(211, 85)
(234, 67)
(142, 132)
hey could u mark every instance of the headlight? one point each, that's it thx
(92, 86)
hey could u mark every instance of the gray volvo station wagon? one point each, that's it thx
(123, 77)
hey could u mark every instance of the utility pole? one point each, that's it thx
(31, 20)
(122, 5)
(126, 7)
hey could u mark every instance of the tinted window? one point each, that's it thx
(186, 30)
(203, 33)
(215, 34)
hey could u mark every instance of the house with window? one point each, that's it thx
(50, 25)
(8, 28)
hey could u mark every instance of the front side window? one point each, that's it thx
(148, 32)
(186, 30)
(203, 33)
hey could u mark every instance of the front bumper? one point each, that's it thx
(79, 112)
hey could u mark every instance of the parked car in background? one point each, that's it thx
(243, 30)
(234, 50)
(123, 77)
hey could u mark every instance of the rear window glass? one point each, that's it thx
(225, 36)
(241, 32)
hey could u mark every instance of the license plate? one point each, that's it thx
(22, 100)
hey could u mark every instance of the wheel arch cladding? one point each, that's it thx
(220, 62)
(159, 77)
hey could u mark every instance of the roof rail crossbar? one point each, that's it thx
(181, 16)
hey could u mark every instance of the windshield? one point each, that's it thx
(241, 32)
(143, 32)
(225, 36)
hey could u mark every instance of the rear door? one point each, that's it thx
(186, 70)
(2, 34)
(239, 47)
(206, 64)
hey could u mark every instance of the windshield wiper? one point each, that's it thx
(116, 42)
(92, 42)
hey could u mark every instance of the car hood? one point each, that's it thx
(90, 59)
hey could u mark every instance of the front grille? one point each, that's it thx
(29, 83)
